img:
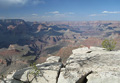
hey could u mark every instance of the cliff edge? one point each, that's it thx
(85, 65)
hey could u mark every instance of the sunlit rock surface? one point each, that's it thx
(85, 65)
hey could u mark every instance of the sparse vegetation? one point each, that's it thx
(33, 73)
(109, 44)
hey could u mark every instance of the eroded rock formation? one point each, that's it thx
(85, 65)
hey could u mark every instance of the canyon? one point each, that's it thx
(23, 42)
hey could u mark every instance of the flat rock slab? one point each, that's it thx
(91, 64)
(49, 72)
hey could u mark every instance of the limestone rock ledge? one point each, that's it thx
(85, 65)
(49, 72)
(94, 65)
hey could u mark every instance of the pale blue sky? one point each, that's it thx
(60, 10)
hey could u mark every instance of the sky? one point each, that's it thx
(60, 10)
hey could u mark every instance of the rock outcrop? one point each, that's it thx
(85, 65)
(49, 72)
(94, 65)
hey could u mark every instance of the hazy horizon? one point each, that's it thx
(60, 10)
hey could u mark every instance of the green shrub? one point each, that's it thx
(34, 72)
(109, 44)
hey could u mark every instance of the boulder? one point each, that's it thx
(53, 59)
(94, 65)
(48, 73)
